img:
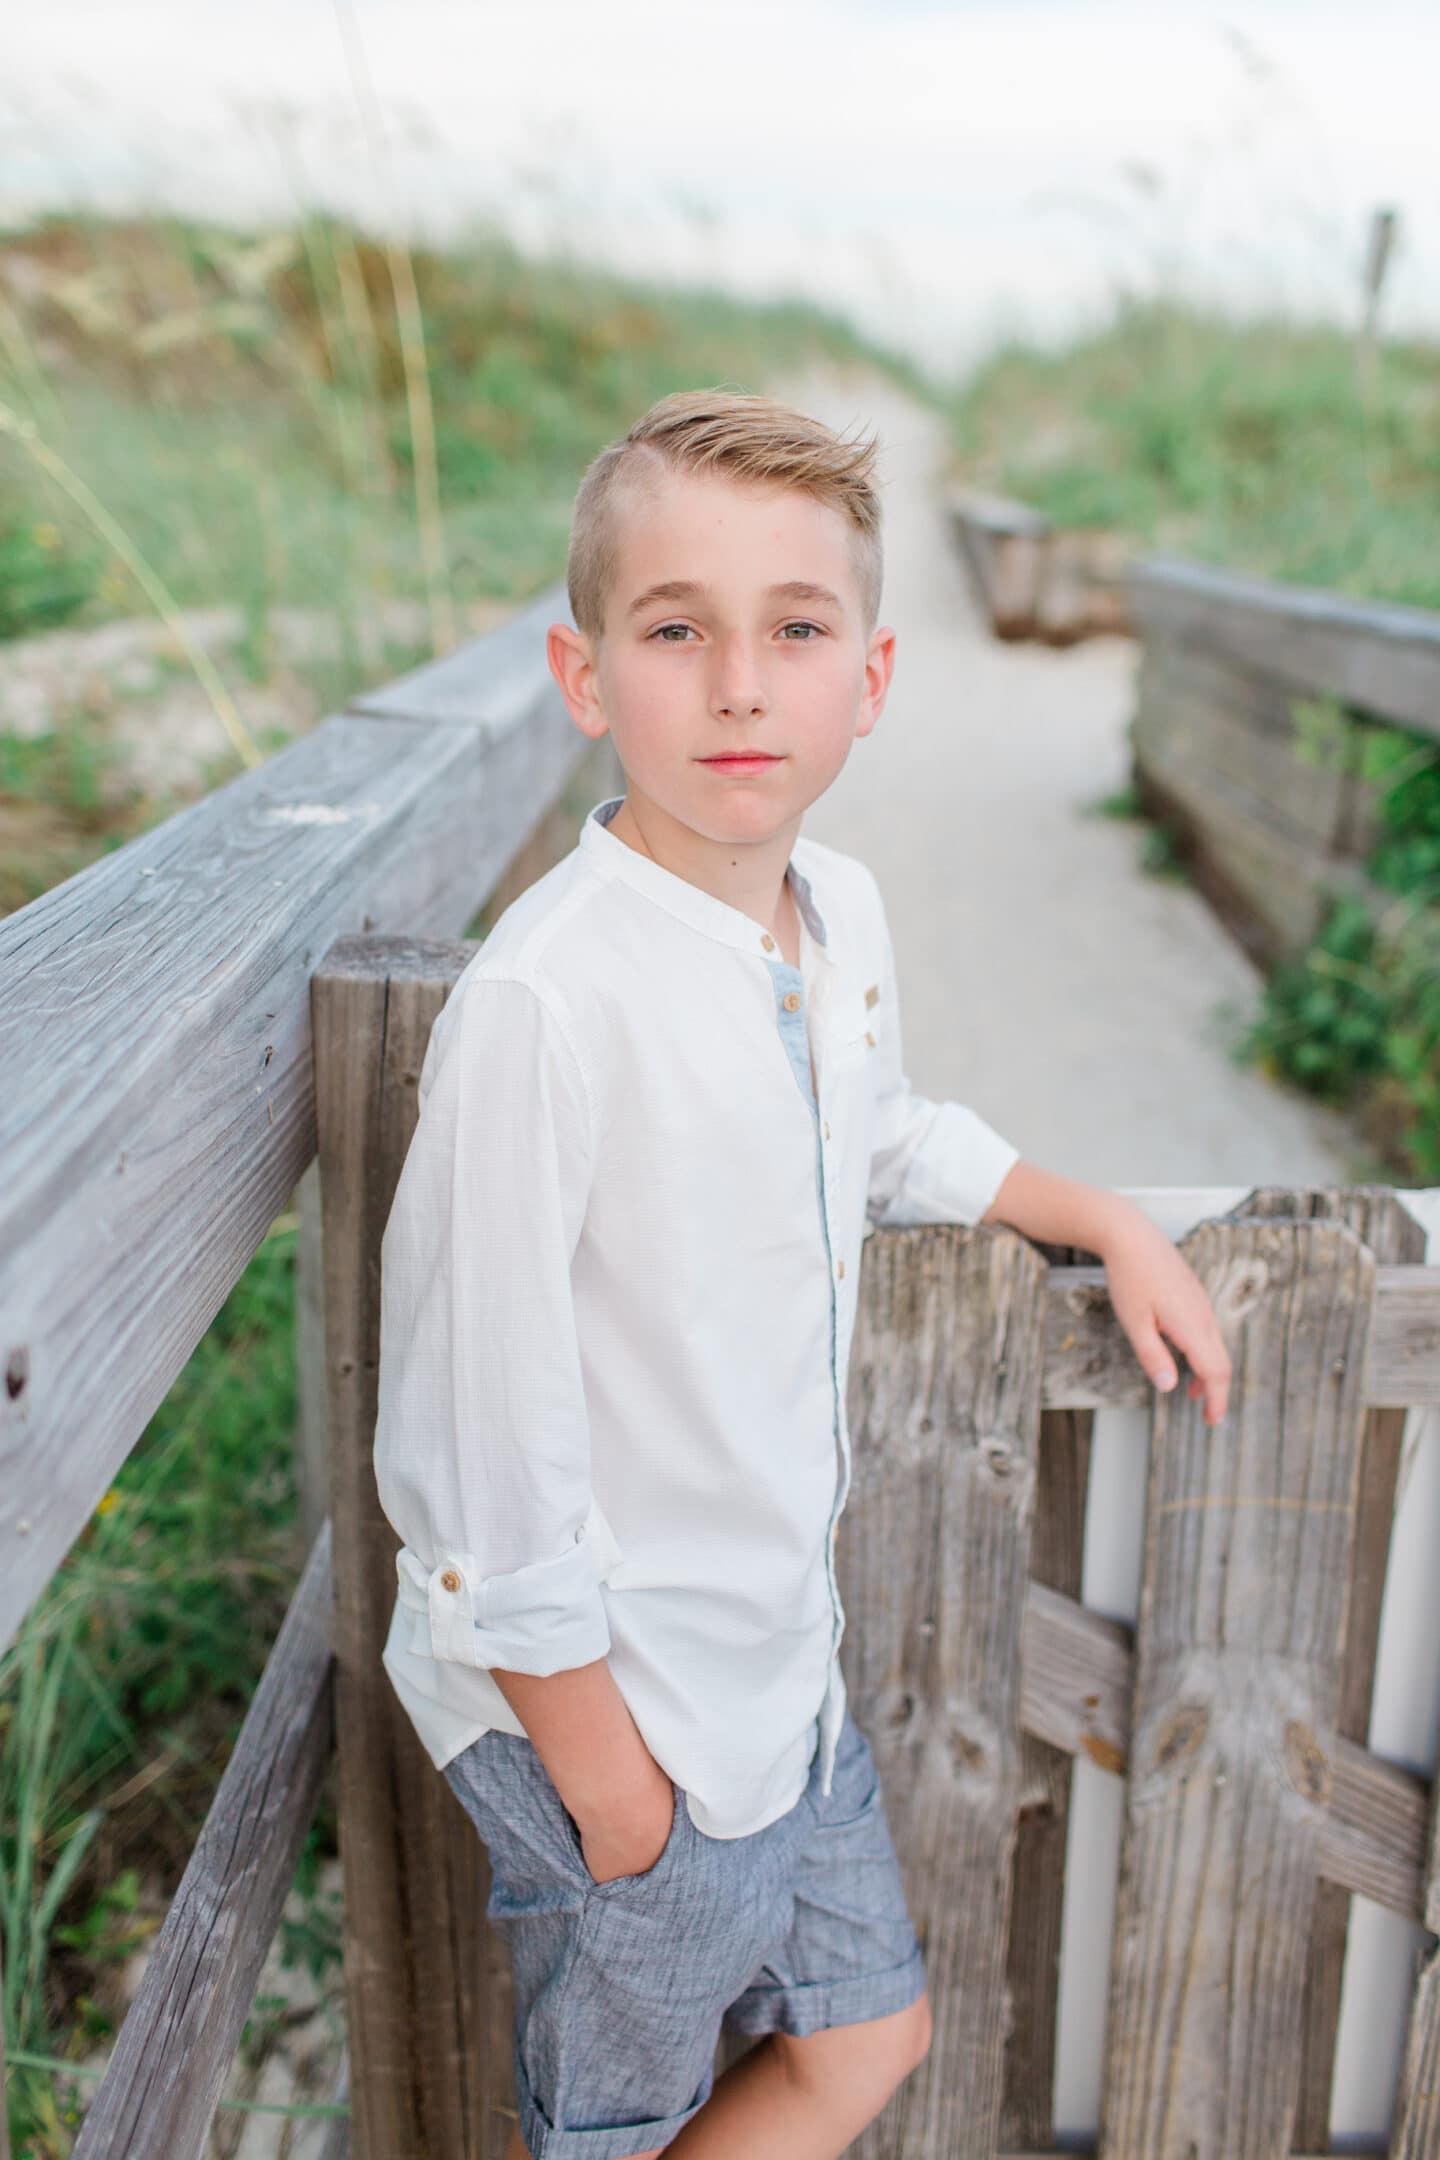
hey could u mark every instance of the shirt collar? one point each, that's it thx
(613, 857)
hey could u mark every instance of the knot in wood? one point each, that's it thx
(998, 1455)
(1181, 1734)
(1307, 1763)
(17, 1371)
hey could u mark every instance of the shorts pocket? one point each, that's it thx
(660, 1867)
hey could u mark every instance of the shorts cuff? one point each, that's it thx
(816, 2007)
(544, 2142)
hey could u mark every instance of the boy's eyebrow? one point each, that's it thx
(678, 589)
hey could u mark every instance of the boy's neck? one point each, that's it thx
(748, 875)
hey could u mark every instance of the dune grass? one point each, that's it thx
(1254, 446)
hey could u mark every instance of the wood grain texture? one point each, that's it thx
(1392, 1234)
(933, 1560)
(1373, 654)
(428, 2028)
(1076, 1680)
(178, 2040)
(156, 1085)
(1417, 2101)
(1248, 1539)
(1037, 1891)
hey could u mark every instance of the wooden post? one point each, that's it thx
(945, 1383)
(1248, 1539)
(422, 2005)
(1377, 1215)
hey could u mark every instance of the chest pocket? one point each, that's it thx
(852, 1035)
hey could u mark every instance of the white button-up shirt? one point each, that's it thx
(617, 1294)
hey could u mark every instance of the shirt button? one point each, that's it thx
(767, 941)
(792, 1001)
(840, 1270)
(827, 1128)
(869, 1038)
(450, 1580)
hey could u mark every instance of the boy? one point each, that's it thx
(658, 1112)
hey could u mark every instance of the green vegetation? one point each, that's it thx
(1356, 1018)
(234, 411)
(1248, 445)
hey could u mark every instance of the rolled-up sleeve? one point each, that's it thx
(482, 1442)
(931, 1162)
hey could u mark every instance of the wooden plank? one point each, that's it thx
(1373, 654)
(1392, 1234)
(933, 1559)
(1090, 1365)
(1417, 2102)
(1076, 1684)
(428, 2032)
(175, 2048)
(1249, 1530)
(1213, 724)
(1004, 544)
(1037, 1889)
(156, 1088)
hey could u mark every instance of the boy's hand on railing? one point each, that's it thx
(1156, 1293)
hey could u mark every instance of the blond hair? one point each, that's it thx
(744, 437)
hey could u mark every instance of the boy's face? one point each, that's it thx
(734, 662)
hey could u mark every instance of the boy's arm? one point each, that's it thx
(482, 1439)
(582, 1730)
(940, 1162)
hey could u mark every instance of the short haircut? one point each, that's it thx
(744, 437)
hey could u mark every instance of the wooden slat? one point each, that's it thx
(1381, 657)
(427, 2032)
(1077, 1679)
(1248, 1539)
(1215, 726)
(1417, 2102)
(175, 2048)
(1392, 1234)
(933, 1559)
(1090, 1364)
(156, 1094)
(1057, 1541)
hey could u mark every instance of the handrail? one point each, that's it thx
(156, 1085)
(1374, 654)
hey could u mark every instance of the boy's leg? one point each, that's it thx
(790, 2099)
(807, 2099)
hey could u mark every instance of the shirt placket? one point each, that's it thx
(791, 1020)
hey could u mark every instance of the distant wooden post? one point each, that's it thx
(934, 1561)
(1249, 1534)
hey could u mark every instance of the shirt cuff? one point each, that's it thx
(957, 1169)
(545, 1618)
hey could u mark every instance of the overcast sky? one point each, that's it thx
(942, 170)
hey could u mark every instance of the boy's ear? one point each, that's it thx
(568, 652)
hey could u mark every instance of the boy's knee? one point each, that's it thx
(869, 2060)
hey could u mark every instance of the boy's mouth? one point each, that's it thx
(741, 761)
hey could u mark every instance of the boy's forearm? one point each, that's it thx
(582, 1730)
(1058, 1210)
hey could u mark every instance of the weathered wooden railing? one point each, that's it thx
(1254, 701)
(188, 1020)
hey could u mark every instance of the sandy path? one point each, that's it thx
(1082, 1006)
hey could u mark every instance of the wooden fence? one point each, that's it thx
(1254, 702)
(193, 1017)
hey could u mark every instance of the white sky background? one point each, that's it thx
(943, 171)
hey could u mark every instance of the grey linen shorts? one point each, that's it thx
(621, 1987)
